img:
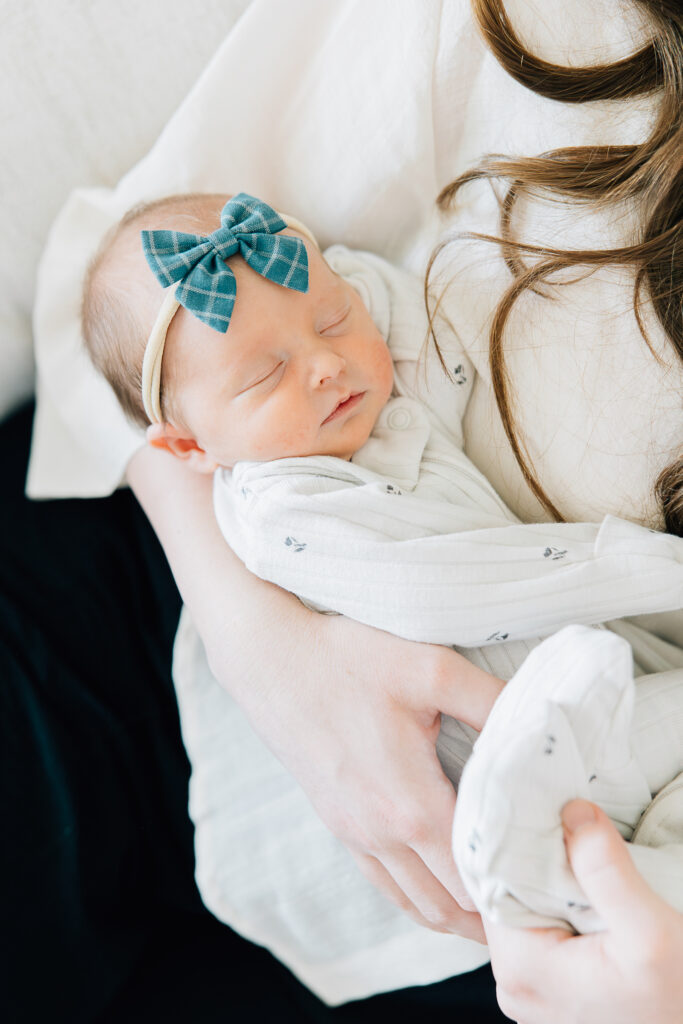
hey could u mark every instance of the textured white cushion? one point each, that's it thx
(86, 89)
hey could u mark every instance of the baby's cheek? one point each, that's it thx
(385, 369)
(293, 440)
(290, 439)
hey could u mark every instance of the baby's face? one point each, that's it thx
(296, 374)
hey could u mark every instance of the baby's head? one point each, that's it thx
(298, 372)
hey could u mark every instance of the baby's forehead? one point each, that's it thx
(126, 267)
(124, 251)
(199, 215)
(122, 270)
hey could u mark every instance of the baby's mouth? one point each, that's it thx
(344, 406)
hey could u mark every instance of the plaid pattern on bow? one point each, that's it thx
(207, 285)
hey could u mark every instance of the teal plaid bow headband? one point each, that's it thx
(207, 285)
(207, 288)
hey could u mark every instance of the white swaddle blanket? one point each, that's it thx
(571, 723)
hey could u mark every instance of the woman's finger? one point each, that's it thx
(433, 901)
(435, 907)
(449, 684)
(601, 862)
(431, 842)
(435, 851)
(377, 874)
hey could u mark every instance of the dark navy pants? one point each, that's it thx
(101, 919)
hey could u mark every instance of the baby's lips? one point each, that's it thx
(341, 402)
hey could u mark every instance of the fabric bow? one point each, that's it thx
(207, 285)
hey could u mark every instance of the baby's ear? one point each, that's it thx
(174, 440)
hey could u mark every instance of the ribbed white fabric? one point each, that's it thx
(564, 727)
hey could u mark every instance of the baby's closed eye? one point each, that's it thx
(265, 376)
(335, 322)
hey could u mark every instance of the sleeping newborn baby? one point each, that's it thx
(305, 382)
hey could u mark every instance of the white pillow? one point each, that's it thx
(87, 87)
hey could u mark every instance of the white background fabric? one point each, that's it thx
(86, 87)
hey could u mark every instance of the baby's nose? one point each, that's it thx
(326, 366)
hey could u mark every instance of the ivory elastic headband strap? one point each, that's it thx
(172, 258)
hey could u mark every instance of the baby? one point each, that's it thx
(218, 404)
(339, 474)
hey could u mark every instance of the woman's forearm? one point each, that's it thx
(226, 601)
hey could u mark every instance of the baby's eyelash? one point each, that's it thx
(336, 320)
(261, 380)
(270, 373)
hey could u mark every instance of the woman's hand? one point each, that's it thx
(628, 974)
(352, 712)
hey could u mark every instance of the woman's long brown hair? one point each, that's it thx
(650, 173)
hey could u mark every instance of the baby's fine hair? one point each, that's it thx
(115, 287)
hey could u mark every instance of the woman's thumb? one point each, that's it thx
(603, 867)
(471, 694)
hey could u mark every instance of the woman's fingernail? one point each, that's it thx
(577, 814)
